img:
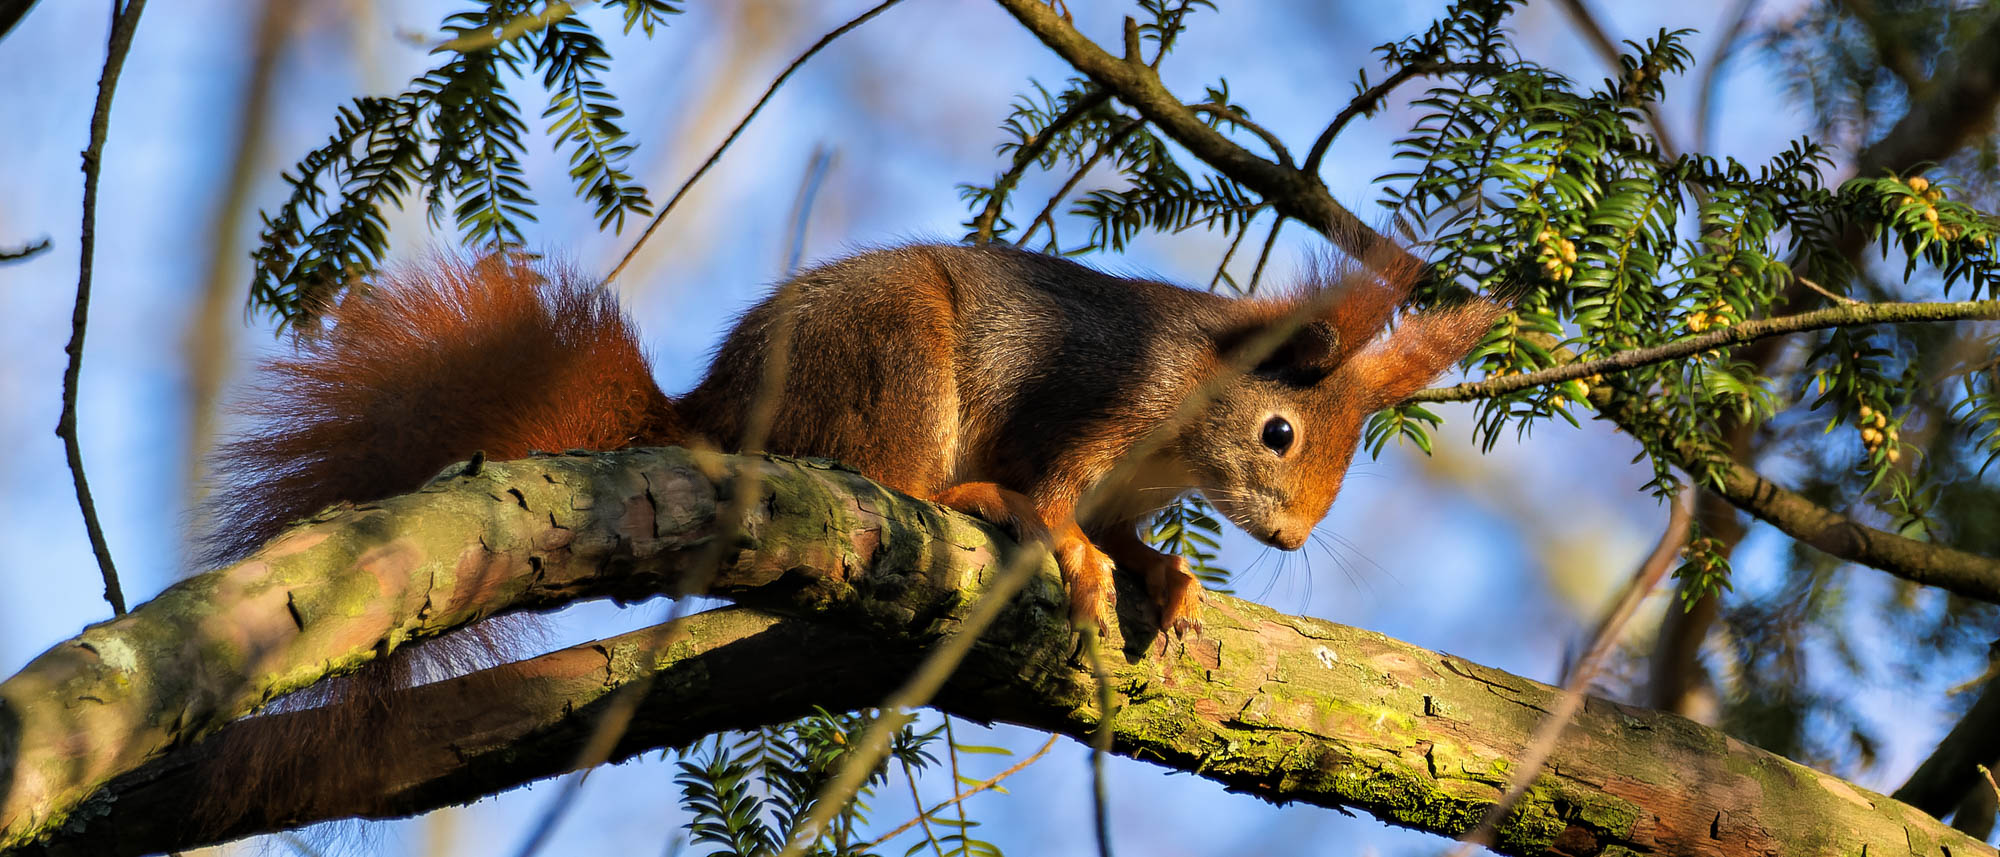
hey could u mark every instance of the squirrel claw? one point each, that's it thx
(1176, 595)
(1087, 571)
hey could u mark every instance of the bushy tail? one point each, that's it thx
(423, 367)
(426, 366)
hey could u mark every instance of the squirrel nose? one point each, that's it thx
(1290, 539)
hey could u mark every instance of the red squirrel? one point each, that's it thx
(996, 381)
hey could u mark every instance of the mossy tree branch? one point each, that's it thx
(1285, 707)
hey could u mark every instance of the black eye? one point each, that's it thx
(1278, 435)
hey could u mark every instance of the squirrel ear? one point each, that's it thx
(1308, 355)
(1420, 348)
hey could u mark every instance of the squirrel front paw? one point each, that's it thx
(1086, 573)
(1176, 591)
(1177, 594)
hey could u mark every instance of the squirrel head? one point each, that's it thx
(1273, 444)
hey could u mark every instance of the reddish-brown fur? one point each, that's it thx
(1004, 383)
(433, 364)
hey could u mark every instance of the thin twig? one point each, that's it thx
(1028, 153)
(1823, 292)
(1749, 331)
(1257, 274)
(958, 782)
(1293, 192)
(923, 684)
(746, 494)
(26, 252)
(1529, 764)
(124, 23)
(1048, 213)
(1232, 116)
(716, 155)
(923, 818)
(617, 717)
(1222, 267)
(486, 38)
(1368, 101)
(958, 799)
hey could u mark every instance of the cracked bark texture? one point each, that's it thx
(99, 735)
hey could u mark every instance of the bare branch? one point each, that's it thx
(1048, 212)
(737, 131)
(1952, 770)
(26, 252)
(960, 797)
(1368, 101)
(124, 23)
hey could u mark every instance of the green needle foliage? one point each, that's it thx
(456, 135)
(750, 792)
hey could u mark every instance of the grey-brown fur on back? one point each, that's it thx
(994, 352)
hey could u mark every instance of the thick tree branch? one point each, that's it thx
(726, 669)
(359, 583)
(1294, 192)
(1285, 707)
(1845, 315)
(11, 13)
(1931, 564)
(1952, 770)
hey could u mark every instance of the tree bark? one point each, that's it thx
(98, 749)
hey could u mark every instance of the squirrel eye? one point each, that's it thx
(1278, 435)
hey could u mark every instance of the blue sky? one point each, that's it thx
(1504, 559)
